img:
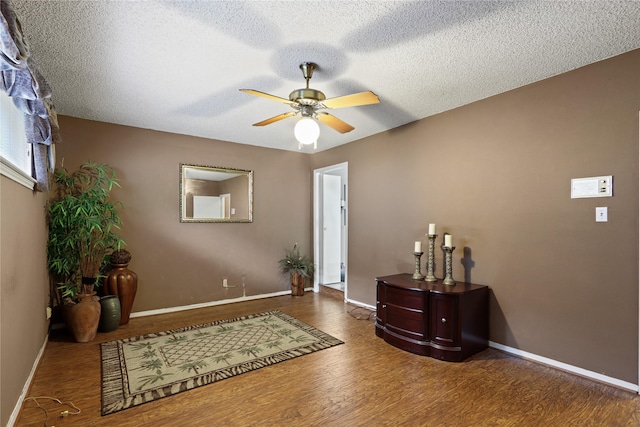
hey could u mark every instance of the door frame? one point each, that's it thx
(317, 221)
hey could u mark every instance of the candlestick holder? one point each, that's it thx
(418, 274)
(431, 265)
(448, 251)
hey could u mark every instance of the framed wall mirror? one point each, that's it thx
(215, 194)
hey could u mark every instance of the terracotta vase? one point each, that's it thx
(83, 317)
(297, 284)
(123, 283)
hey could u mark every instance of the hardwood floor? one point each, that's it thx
(364, 382)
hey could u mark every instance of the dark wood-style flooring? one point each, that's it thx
(364, 382)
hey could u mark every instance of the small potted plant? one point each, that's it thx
(298, 268)
(82, 221)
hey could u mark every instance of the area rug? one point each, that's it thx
(145, 368)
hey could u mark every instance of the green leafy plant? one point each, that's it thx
(294, 263)
(82, 223)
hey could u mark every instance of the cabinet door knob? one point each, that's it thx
(444, 320)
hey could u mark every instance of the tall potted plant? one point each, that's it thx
(82, 222)
(298, 267)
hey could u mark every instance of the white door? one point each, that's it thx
(206, 207)
(336, 217)
(331, 229)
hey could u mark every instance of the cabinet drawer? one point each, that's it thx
(407, 298)
(444, 320)
(406, 322)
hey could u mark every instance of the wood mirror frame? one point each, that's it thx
(215, 194)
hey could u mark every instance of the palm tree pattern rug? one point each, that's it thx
(145, 368)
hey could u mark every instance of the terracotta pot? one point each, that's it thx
(123, 283)
(297, 284)
(83, 317)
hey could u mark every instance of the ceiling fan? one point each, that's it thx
(308, 102)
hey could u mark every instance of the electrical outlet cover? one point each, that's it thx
(602, 214)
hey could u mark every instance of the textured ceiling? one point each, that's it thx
(176, 66)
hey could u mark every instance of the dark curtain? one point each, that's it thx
(20, 78)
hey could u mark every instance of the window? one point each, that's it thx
(15, 152)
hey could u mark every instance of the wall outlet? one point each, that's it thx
(225, 284)
(48, 312)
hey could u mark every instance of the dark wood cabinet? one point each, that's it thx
(447, 322)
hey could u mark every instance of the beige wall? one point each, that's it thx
(496, 175)
(183, 263)
(24, 288)
(237, 188)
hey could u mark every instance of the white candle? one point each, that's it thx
(447, 240)
(418, 247)
(432, 229)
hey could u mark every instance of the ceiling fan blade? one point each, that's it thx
(353, 100)
(268, 96)
(276, 118)
(334, 122)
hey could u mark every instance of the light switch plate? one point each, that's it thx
(602, 214)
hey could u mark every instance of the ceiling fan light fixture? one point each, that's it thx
(308, 102)
(307, 131)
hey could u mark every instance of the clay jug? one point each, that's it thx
(83, 317)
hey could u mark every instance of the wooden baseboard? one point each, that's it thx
(566, 367)
(207, 304)
(27, 385)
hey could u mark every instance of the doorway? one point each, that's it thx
(330, 227)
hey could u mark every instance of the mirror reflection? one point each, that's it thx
(215, 194)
